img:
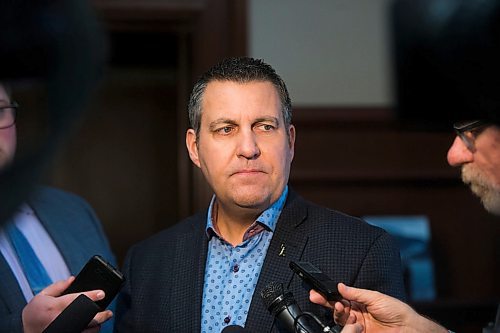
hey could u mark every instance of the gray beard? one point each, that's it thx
(481, 186)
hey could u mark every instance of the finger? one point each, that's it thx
(95, 295)
(56, 289)
(101, 317)
(317, 298)
(351, 319)
(343, 306)
(362, 296)
(345, 303)
(341, 313)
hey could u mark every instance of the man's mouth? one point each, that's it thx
(248, 172)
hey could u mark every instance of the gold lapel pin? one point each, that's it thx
(282, 250)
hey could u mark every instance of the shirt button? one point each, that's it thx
(227, 319)
(236, 268)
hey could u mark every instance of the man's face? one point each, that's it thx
(481, 168)
(7, 135)
(244, 148)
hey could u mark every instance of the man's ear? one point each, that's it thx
(192, 146)
(291, 138)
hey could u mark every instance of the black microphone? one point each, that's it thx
(234, 329)
(75, 317)
(284, 307)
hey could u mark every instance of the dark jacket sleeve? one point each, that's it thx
(11, 323)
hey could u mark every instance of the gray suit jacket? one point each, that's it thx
(164, 287)
(78, 234)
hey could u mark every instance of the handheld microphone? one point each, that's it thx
(284, 307)
(75, 317)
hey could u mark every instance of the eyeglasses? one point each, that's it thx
(8, 115)
(468, 131)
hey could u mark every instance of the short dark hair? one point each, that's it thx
(241, 70)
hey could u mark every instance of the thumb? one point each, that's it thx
(57, 288)
(363, 296)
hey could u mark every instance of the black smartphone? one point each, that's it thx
(316, 279)
(98, 274)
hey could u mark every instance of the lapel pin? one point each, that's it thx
(282, 250)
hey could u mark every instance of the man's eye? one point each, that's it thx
(266, 127)
(225, 130)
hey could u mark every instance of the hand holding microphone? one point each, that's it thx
(377, 312)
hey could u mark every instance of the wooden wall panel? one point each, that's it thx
(122, 158)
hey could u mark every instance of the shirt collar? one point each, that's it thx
(268, 218)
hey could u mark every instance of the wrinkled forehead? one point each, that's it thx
(237, 99)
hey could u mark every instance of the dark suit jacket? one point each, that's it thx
(74, 228)
(165, 273)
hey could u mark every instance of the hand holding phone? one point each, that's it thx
(316, 279)
(98, 274)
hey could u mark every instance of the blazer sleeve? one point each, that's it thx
(381, 268)
(11, 323)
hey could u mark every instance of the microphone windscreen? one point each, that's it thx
(271, 292)
(275, 299)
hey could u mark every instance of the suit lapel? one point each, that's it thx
(188, 278)
(10, 292)
(286, 245)
(57, 222)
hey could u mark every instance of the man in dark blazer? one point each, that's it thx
(207, 272)
(66, 221)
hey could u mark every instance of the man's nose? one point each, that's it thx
(458, 154)
(247, 145)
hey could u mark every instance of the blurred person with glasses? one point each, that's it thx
(8, 115)
(47, 241)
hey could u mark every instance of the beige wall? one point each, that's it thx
(330, 52)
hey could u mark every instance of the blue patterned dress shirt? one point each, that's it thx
(231, 273)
